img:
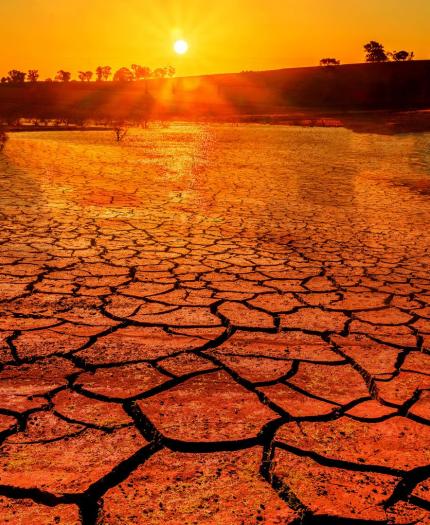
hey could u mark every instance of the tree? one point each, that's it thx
(136, 71)
(171, 71)
(375, 52)
(63, 76)
(33, 75)
(329, 62)
(99, 73)
(103, 73)
(107, 72)
(85, 76)
(120, 130)
(16, 77)
(123, 75)
(160, 72)
(401, 56)
(140, 72)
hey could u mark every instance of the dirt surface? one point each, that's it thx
(215, 325)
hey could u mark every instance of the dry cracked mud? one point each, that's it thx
(215, 325)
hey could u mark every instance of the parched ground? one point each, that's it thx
(215, 325)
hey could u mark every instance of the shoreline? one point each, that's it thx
(376, 121)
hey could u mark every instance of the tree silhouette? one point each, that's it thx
(401, 56)
(16, 76)
(136, 71)
(103, 73)
(33, 75)
(120, 129)
(141, 72)
(99, 73)
(329, 62)
(107, 72)
(123, 75)
(375, 52)
(63, 76)
(85, 76)
(171, 71)
(160, 72)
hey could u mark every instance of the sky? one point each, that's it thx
(223, 35)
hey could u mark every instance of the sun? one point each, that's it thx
(180, 47)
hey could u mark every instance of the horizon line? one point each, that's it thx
(248, 71)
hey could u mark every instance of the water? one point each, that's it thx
(267, 182)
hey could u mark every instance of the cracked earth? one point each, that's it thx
(215, 325)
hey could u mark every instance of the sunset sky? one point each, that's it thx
(223, 35)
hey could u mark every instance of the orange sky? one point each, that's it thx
(224, 35)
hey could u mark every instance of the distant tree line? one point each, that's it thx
(102, 74)
(375, 52)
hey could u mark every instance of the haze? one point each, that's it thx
(224, 37)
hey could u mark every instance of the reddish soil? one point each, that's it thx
(204, 350)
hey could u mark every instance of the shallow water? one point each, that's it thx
(259, 180)
(215, 290)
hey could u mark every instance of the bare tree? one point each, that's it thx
(33, 75)
(120, 130)
(3, 139)
(63, 76)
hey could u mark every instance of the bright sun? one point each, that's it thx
(180, 47)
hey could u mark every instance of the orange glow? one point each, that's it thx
(226, 36)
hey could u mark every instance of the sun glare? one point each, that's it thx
(180, 47)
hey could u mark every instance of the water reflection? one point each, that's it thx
(259, 182)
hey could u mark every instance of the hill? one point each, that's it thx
(389, 86)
